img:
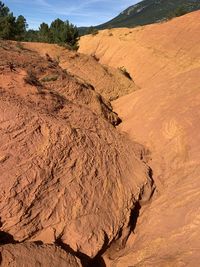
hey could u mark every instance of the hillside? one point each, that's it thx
(110, 82)
(150, 53)
(164, 60)
(100, 149)
(68, 178)
(148, 12)
(151, 11)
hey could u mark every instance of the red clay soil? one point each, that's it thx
(67, 175)
(110, 82)
(151, 54)
(30, 254)
(164, 115)
(70, 178)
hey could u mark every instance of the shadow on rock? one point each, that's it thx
(6, 238)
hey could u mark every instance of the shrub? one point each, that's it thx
(32, 79)
(50, 78)
(95, 32)
(180, 11)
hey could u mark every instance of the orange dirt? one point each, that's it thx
(30, 254)
(108, 81)
(153, 53)
(69, 178)
(67, 175)
(164, 60)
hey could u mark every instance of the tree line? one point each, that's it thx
(15, 28)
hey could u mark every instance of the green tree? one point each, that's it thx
(20, 29)
(4, 11)
(7, 27)
(44, 33)
(57, 31)
(92, 30)
(32, 36)
(64, 33)
(72, 35)
(7, 22)
(179, 11)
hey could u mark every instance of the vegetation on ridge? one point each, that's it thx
(59, 32)
(148, 12)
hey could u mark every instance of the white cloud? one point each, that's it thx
(80, 12)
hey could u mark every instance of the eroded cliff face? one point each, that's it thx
(151, 54)
(169, 227)
(110, 82)
(164, 60)
(30, 254)
(68, 177)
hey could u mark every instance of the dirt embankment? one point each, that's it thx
(68, 177)
(151, 54)
(110, 82)
(164, 60)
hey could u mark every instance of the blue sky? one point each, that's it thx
(79, 12)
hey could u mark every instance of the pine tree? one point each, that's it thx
(4, 11)
(20, 29)
(7, 27)
(44, 33)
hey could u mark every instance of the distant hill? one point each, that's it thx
(148, 12)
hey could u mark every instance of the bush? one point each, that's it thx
(95, 32)
(180, 11)
(20, 46)
(32, 79)
(50, 78)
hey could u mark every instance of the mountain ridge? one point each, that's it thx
(147, 12)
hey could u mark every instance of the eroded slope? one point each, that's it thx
(67, 175)
(151, 54)
(32, 255)
(164, 60)
(110, 82)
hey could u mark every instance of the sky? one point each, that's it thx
(78, 12)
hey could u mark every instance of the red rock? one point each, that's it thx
(67, 175)
(32, 255)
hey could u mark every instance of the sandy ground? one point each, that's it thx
(164, 60)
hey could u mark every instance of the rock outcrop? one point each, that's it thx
(164, 116)
(67, 175)
(110, 82)
(33, 255)
(151, 54)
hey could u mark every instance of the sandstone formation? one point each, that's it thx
(151, 54)
(32, 255)
(67, 175)
(110, 82)
(72, 185)
(164, 116)
(47, 73)
(170, 129)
